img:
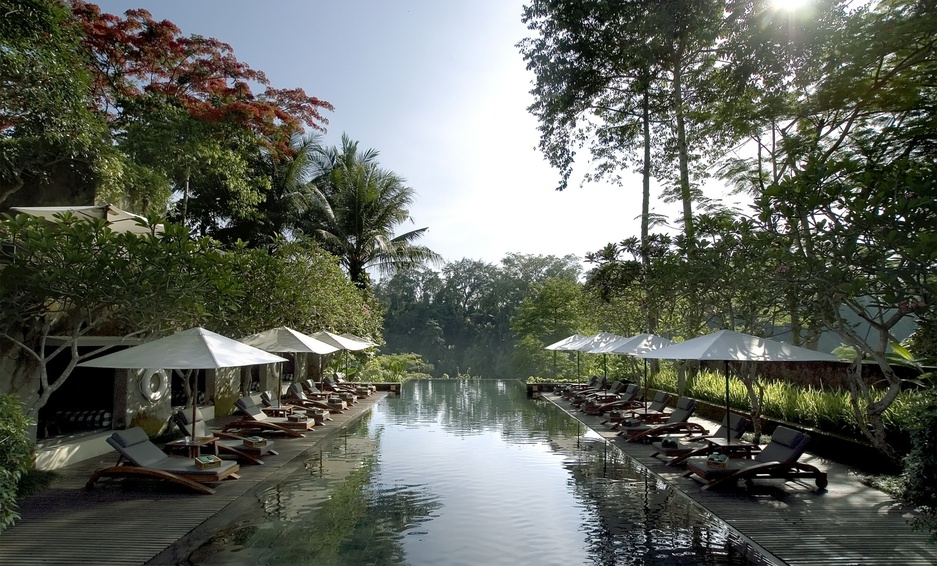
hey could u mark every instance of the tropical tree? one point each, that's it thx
(48, 136)
(184, 117)
(74, 278)
(623, 79)
(844, 181)
(288, 197)
(551, 312)
(356, 207)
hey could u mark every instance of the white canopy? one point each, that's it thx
(562, 344)
(195, 348)
(635, 345)
(728, 345)
(341, 342)
(283, 339)
(590, 344)
(117, 219)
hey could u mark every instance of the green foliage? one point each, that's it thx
(823, 409)
(395, 368)
(355, 209)
(299, 286)
(920, 467)
(462, 317)
(45, 96)
(15, 456)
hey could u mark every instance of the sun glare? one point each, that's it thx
(790, 5)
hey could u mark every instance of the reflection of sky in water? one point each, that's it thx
(498, 498)
(468, 472)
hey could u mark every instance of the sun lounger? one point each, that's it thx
(613, 393)
(724, 441)
(297, 396)
(777, 460)
(577, 396)
(139, 457)
(677, 424)
(570, 390)
(312, 391)
(629, 414)
(627, 397)
(256, 419)
(226, 443)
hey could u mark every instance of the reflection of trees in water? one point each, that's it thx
(638, 518)
(471, 406)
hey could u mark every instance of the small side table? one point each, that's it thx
(193, 446)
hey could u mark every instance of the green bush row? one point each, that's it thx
(819, 408)
(823, 409)
(15, 456)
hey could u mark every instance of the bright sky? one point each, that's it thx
(440, 89)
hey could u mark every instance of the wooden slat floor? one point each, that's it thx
(126, 522)
(792, 523)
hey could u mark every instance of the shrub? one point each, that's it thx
(919, 480)
(395, 368)
(823, 409)
(15, 456)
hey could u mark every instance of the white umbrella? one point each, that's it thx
(586, 344)
(728, 345)
(283, 339)
(635, 346)
(195, 348)
(351, 336)
(343, 343)
(117, 219)
(562, 346)
(595, 345)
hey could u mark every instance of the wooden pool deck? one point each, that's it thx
(122, 522)
(792, 523)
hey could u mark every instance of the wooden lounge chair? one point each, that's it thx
(578, 396)
(139, 457)
(297, 396)
(256, 419)
(629, 414)
(722, 442)
(777, 460)
(613, 393)
(312, 391)
(677, 424)
(627, 397)
(570, 390)
(224, 443)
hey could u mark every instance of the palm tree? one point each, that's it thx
(356, 207)
(288, 196)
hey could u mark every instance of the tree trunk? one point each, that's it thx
(682, 150)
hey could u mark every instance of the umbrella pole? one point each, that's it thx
(646, 390)
(194, 398)
(554, 365)
(280, 384)
(728, 413)
(578, 373)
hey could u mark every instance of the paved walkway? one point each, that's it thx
(791, 523)
(124, 522)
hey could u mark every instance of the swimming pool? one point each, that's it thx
(469, 472)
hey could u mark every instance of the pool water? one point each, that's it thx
(469, 472)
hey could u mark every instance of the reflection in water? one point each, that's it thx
(469, 472)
